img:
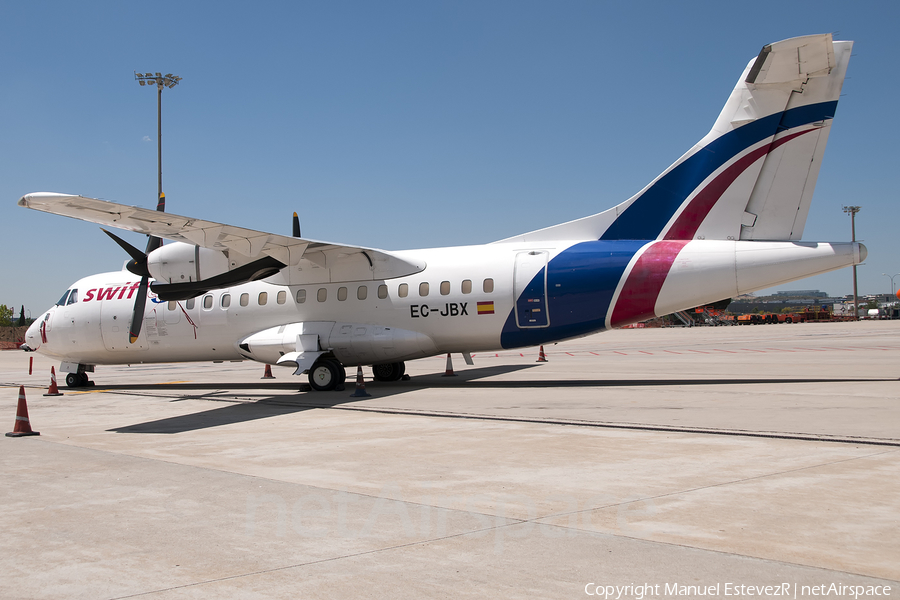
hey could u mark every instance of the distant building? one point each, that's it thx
(802, 294)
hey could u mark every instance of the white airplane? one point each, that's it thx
(725, 219)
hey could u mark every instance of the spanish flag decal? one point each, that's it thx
(485, 308)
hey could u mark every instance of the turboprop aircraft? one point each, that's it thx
(725, 219)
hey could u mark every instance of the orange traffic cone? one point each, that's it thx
(268, 373)
(23, 425)
(360, 385)
(53, 391)
(541, 356)
(448, 372)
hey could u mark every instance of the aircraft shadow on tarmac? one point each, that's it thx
(245, 407)
(251, 407)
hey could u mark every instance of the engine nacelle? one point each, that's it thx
(179, 262)
(185, 271)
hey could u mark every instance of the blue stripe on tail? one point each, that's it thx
(646, 217)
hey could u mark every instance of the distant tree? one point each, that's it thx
(21, 322)
(6, 316)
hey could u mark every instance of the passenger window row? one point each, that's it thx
(465, 287)
(362, 293)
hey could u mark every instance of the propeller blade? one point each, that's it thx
(154, 242)
(137, 317)
(296, 226)
(133, 252)
(138, 262)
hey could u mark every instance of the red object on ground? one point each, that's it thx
(22, 427)
(54, 390)
(448, 372)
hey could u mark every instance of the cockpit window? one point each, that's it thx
(73, 297)
(62, 301)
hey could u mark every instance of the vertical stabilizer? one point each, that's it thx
(752, 176)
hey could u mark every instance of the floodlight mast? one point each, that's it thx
(852, 210)
(168, 80)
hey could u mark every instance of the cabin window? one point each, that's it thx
(226, 300)
(171, 305)
(403, 290)
(467, 286)
(301, 296)
(342, 293)
(382, 291)
(423, 289)
(190, 303)
(263, 298)
(73, 298)
(245, 299)
(322, 295)
(488, 286)
(62, 301)
(445, 288)
(207, 302)
(361, 292)
(282, 297)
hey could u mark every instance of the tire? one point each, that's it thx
(342, 372)
(325, 375)
(389, 371)
(73, 380)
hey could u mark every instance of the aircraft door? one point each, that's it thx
(530, 289)
(115, 322)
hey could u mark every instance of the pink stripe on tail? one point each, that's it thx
(638, 298)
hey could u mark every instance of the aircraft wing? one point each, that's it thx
(341, 261)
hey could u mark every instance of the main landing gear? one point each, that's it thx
(328, 373)
(389, 371)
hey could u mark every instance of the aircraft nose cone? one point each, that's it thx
(863, 253)
(33, 335)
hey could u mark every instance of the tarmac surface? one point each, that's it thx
(762, 455)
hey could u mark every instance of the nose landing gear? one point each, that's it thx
(76, 380)
(80, 378)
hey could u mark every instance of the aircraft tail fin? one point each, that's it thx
(752, 176)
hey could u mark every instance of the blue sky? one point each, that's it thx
(406, 124)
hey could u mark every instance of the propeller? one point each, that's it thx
(296, 226)
(138, 266)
